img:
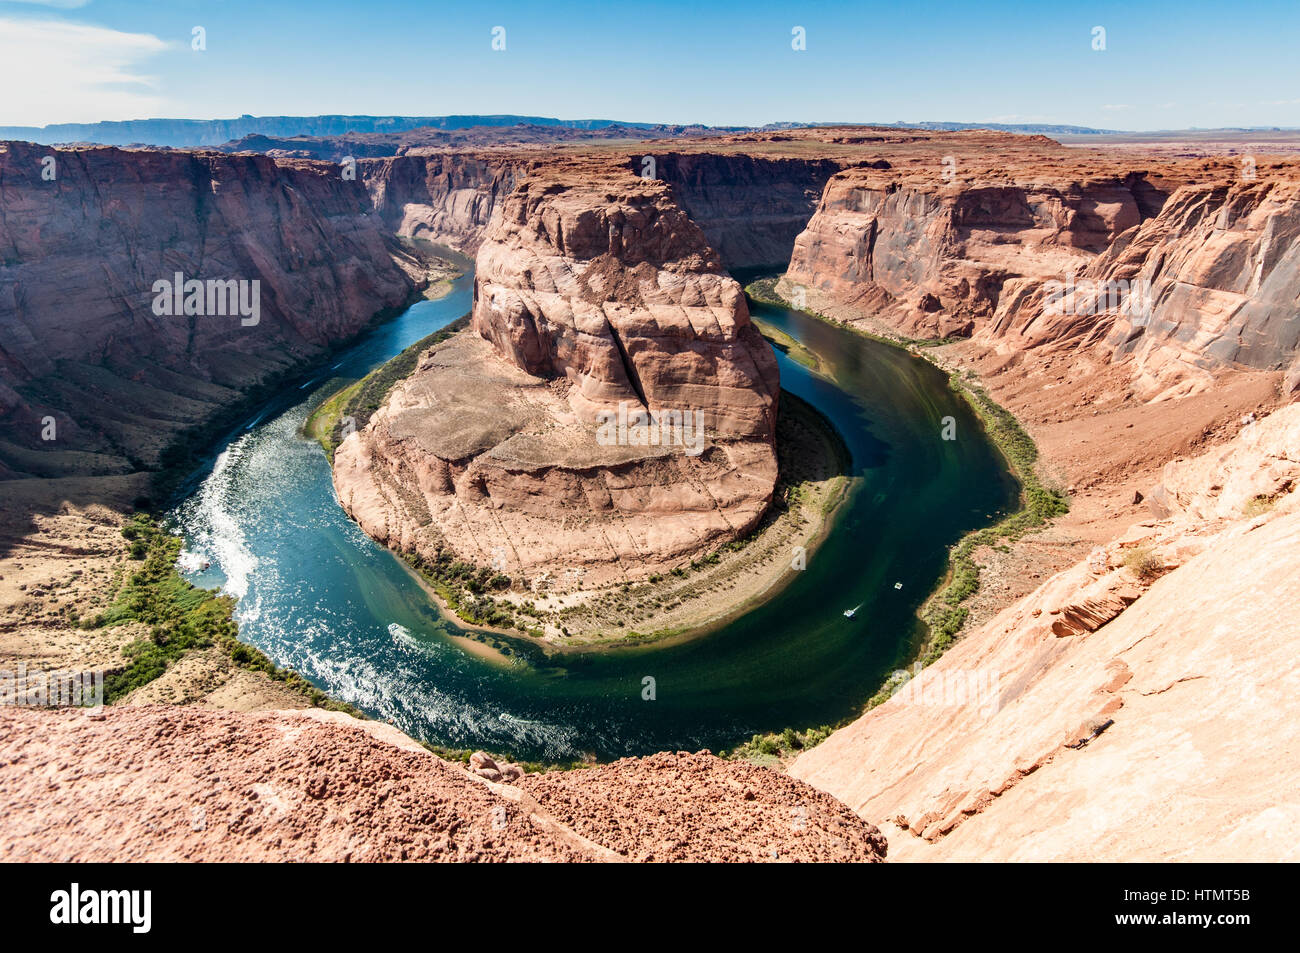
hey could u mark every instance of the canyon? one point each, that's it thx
(1155, 670)
(595, 287)
(590, 296)
(82, 343)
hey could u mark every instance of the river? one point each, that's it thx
(318, 596)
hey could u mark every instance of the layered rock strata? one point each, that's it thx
(1166, 275)
(598, 306)
(88, 234)
(933, 258)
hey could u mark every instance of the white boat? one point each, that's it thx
(848, 613)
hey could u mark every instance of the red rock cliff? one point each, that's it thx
(81, 254)
(595, 295)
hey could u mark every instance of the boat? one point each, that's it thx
(849, 613)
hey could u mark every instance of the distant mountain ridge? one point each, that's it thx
(192, 133)
(188, 133)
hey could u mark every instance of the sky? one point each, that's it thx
(1163, 66)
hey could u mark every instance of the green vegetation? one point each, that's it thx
(775, 747)
(465, 589)
(1259, 504)
(181, 617)
(764, 292)
(362, 398)
(788, 346)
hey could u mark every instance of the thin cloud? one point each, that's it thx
(57, 71)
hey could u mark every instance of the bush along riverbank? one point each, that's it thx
(944, 612)
(180, 617)
(359, 400)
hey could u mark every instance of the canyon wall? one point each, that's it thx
(446, 198)
(1219, 270)
(82, 250)
(1210, 282)
(932, 259)
(750, 208)
(1172, 279)
(596, 299)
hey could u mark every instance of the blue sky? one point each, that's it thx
(1165, 65)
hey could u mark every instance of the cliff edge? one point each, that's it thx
(1128, 707)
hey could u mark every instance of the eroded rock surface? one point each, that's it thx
(168, 783)
(82, 251)
(596, 299)
(1173, 270)
(1136, 697)
(934, 257)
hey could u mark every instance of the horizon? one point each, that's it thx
(570, 120)
(92, 61)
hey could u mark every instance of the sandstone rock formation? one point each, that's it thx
(83, 250)
(1072, 727)
(1142, 695)
(446, 198)
(1222, 265)
(170, 783)
(596, 299)
(934, 258)
(1172, 271)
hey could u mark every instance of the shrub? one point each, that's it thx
(1144, 563)
(1258, 504)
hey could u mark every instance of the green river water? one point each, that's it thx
(316, 595)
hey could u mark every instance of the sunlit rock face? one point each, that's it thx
(1173, 279)
(609, 414)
